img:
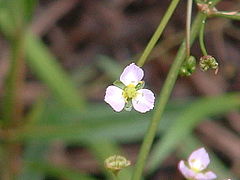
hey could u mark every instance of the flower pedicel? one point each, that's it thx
(129, 92)
(196, 166)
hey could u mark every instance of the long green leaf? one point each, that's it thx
(59, 172)
(33, 152)
(98, 123)
(41, 61)
(109, 66)
(49, 71)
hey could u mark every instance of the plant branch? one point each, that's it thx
(188, 27)
(158, 32)
(164, 97)
(225, 14)
(12, 108)
(201, 38)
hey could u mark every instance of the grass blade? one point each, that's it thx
(49, 71)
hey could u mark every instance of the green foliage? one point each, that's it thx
(59, 172)
(68, 118)
(15, 15)
(98, 122)
(50, 72)
(28, 9)
(34, 152)
(111, 68)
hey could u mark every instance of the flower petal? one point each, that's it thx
(205, 176)
(132, 74)
(114, 98)
(186, 172)
(144, 101)
(199, 155)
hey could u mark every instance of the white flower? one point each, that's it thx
(196, 168)
(129, 92)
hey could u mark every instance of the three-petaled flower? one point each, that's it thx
(128, 91)
(196, 168)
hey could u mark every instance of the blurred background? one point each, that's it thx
(58, 56)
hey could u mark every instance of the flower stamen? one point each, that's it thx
(129, 92)
(196, 165)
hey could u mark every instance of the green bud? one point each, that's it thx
(116, 163)
(208, 62)
(188, 67)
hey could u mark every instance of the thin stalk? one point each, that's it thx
(164, 97)
(201, 38)
(116, 177)
(225, 14)
(158, 32)
(12, 105)
(188, 26)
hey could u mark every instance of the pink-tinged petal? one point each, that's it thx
(201, 157)
(205, 176)
(114, 98)
(132, 74)
(186, 172)
(144, 101)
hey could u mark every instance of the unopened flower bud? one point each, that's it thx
(208, 62)
(188, 67)
(116, 163)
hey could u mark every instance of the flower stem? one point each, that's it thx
(162, 100)
(12, 109)
(201, 38)
(158, 32)
(225, 14)
(164, 96)
(12, 104)
(188, 27)
(116, 177)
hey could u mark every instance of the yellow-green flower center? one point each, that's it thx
(129, 92)
(196, 165)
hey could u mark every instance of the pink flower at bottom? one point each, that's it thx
(196, 166)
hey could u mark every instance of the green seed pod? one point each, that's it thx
(116, 163)
(208, 62)
(188, 67)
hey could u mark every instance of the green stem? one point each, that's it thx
(164, 96)
(201, 38)
(188, 27)
(12, 106)
(163, 99)
(116, 177)
(225, 14)
(158, 32)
